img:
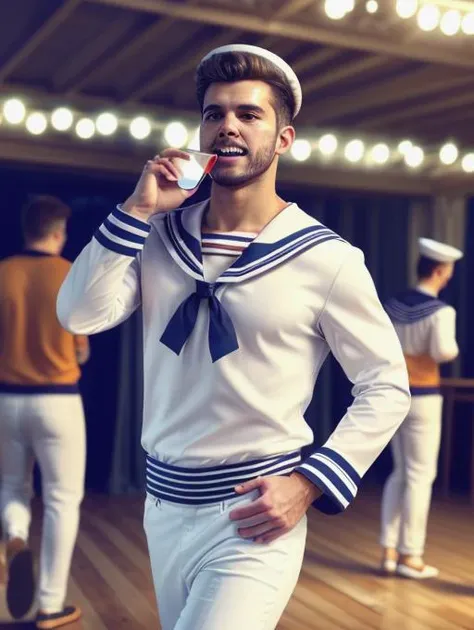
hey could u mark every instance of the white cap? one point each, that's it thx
(266, 54)
(440, 252)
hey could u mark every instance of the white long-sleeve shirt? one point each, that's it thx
(426, 327)
(212, 399)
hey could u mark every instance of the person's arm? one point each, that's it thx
(364, 342)
(82, 347)
(102, 288)
(443, 345)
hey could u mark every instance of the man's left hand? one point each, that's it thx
(281, 505)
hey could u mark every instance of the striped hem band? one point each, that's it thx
(200, 486)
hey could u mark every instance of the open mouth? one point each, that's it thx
(231, 152)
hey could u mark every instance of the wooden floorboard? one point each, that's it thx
(339, 587)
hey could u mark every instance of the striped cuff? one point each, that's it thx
(122, 233)
(334, 476)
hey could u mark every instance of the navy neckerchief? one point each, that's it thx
(278, 242)
(412, 306)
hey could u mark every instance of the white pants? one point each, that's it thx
(407, 493)
(51, 429)
(208, 578)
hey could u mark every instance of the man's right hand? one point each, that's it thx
(157, 189)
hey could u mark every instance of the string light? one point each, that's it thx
(301, 150)
(414, 157)
(329, 146)
(450, 23)
(62, 119)
(14, 111)
(468, 163)
(448, 154)
(380, 153)
(335, 9)
(354, 151)
(36, 123)
(405, 146)
(140, 128)
(85, 128)
(372, 6)
(106, 124)
(467, 24)
(428, 17)
(176, 135)
(406, 9)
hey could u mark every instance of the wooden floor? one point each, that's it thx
(339, 587)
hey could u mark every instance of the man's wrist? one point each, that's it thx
(310, 490)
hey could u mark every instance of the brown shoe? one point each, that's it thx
(49, 621)
(20, 578)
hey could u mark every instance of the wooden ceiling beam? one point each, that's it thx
(45, 30)
(409, 85)
(297, 30)
(88, 59)
(178, 69)
(315, 59)
(346, 71)
(407, 113)
(152, 33)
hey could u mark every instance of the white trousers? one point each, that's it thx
(51, 429)
(407, 492)
(208, 578)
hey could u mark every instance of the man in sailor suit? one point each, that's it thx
(243, 297)
(426, 327)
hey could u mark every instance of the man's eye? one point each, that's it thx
(213, 116)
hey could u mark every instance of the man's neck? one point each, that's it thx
(44, 247)
(431, 288)
(246, 209)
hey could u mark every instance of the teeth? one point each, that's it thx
(231, 151)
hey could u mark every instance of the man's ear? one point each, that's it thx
(286, 137)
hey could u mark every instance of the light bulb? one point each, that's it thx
(405, 146)
(354, 151)
(85, 128)
(468, 24)
(450, 22)
(414, 157)
(140, 128)
(448, 154)
(372, 6)
(14, 111)
(328, 144)
(62, 119)
(335, 9)
(468, 163)
(176, 135)
(106, 124)
(428, 17)
(380, 153)
(301, 150)
(36, 123)
(406, 8)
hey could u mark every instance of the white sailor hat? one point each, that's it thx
(275, 59)
(440, 252)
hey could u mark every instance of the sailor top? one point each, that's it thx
(230, 362)
(426, 327)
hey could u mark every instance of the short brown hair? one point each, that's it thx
(238, 66)
(40, 216)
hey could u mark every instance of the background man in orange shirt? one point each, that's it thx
(41, 415)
